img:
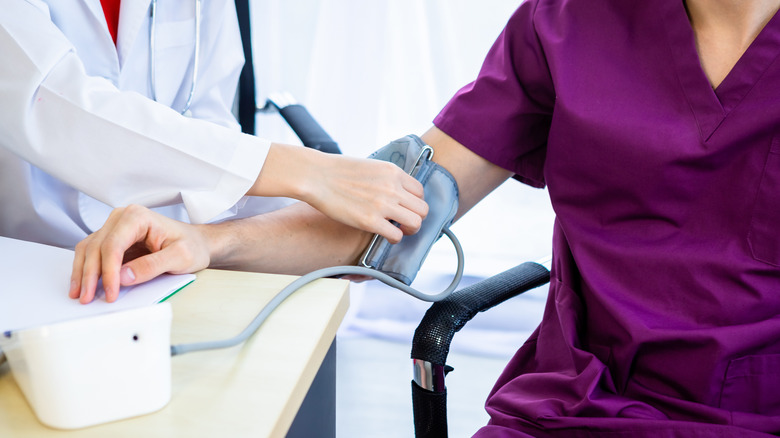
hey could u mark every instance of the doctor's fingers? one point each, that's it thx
(416, 205)
(131, 233)
(87, 263)
(377, 217)
(104, 250)
(86, 271)
(411, 185)
(78, 267)
(179, 257)
(408, 220)
(151, 245)
(101, 253)
(408, 213)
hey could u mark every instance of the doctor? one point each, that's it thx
(104, 105)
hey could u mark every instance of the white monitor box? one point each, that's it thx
(93, 370)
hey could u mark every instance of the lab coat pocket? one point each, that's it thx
(763, 236)
(751, 386)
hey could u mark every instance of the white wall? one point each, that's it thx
(373, 70)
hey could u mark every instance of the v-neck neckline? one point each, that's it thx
(711, 106)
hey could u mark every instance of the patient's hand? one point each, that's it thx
(134, 246)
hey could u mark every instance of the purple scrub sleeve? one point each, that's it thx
(663, 316)
(508, 110)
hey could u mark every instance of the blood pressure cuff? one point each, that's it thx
(403, 260)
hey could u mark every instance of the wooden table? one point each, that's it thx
(255, 389)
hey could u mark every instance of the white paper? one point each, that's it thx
(35, 280)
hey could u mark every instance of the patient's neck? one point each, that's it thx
(724, 29)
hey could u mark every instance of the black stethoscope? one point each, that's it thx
(152, 38)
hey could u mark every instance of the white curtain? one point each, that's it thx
(373, 70)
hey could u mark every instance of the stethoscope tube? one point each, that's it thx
(152, 55)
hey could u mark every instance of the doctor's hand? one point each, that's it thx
(362, 193)
(134, 246)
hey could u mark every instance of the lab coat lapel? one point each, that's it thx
(103, 42)
(96, 9)
(132, 16)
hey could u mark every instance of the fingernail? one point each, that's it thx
(126, 275)
(73, 292)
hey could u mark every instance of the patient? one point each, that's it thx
(654, 127)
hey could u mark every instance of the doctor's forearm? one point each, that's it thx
(286, 172)
(295, 240)
(359, 192)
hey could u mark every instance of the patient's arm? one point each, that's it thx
(476, 176)
(137, 244)
(295, 240)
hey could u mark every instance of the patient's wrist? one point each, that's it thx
(221, 243)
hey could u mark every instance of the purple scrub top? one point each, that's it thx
(663, 317)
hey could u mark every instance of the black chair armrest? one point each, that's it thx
(443, 319)
(304, 125)
(432, 338)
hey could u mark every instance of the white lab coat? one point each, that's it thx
(79, 135)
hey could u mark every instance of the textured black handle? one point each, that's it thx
(308, 130)
(434, 334)
(430, 412)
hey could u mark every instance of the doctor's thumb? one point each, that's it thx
(126, 276)
(141, 269)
